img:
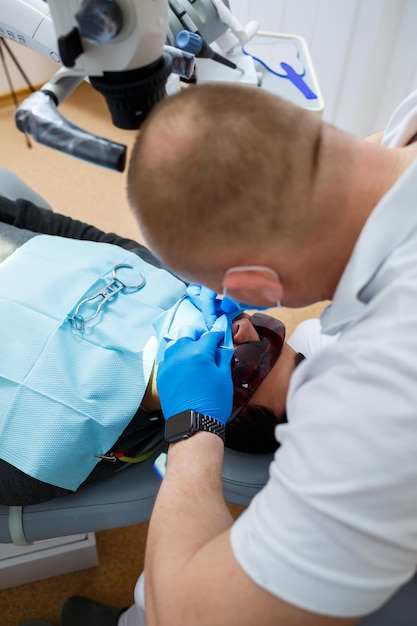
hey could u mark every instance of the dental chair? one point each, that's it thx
(128, 496)
(125, 498)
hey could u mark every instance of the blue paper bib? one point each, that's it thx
(68, 393)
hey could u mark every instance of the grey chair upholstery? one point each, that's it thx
(13, 187)
(127, 498)
(400, 610)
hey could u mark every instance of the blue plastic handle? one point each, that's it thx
(188, 41)
(298, 81)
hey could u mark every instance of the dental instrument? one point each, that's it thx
(110, 289)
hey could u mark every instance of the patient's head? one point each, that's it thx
(261, 369)
(262, 365)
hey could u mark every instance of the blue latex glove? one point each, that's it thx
(196, 374)
(206, 301)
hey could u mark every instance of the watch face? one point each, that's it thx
(179, 426)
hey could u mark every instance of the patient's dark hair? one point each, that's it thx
(253, 430)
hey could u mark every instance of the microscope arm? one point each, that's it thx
(39, 117)
(119, 46)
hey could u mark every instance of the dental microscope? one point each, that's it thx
(133, 52)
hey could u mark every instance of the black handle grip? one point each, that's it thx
(39, 117)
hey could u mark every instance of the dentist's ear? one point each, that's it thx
(255, 285)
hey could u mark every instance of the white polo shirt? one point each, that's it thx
(335, 529)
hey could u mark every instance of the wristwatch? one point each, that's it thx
(187, 423)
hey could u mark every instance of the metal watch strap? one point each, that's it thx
(211, 425)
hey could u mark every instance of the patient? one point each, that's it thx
(260, 353)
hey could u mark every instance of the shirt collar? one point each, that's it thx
(389, 224)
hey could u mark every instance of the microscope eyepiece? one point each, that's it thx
(130, 95)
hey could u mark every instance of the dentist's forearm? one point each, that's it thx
(189, 513)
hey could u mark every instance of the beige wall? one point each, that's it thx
(38, 68)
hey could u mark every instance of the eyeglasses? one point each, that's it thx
(251, 294)
(252, 361)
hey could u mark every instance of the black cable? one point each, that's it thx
(18, 65)
(3, 44)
